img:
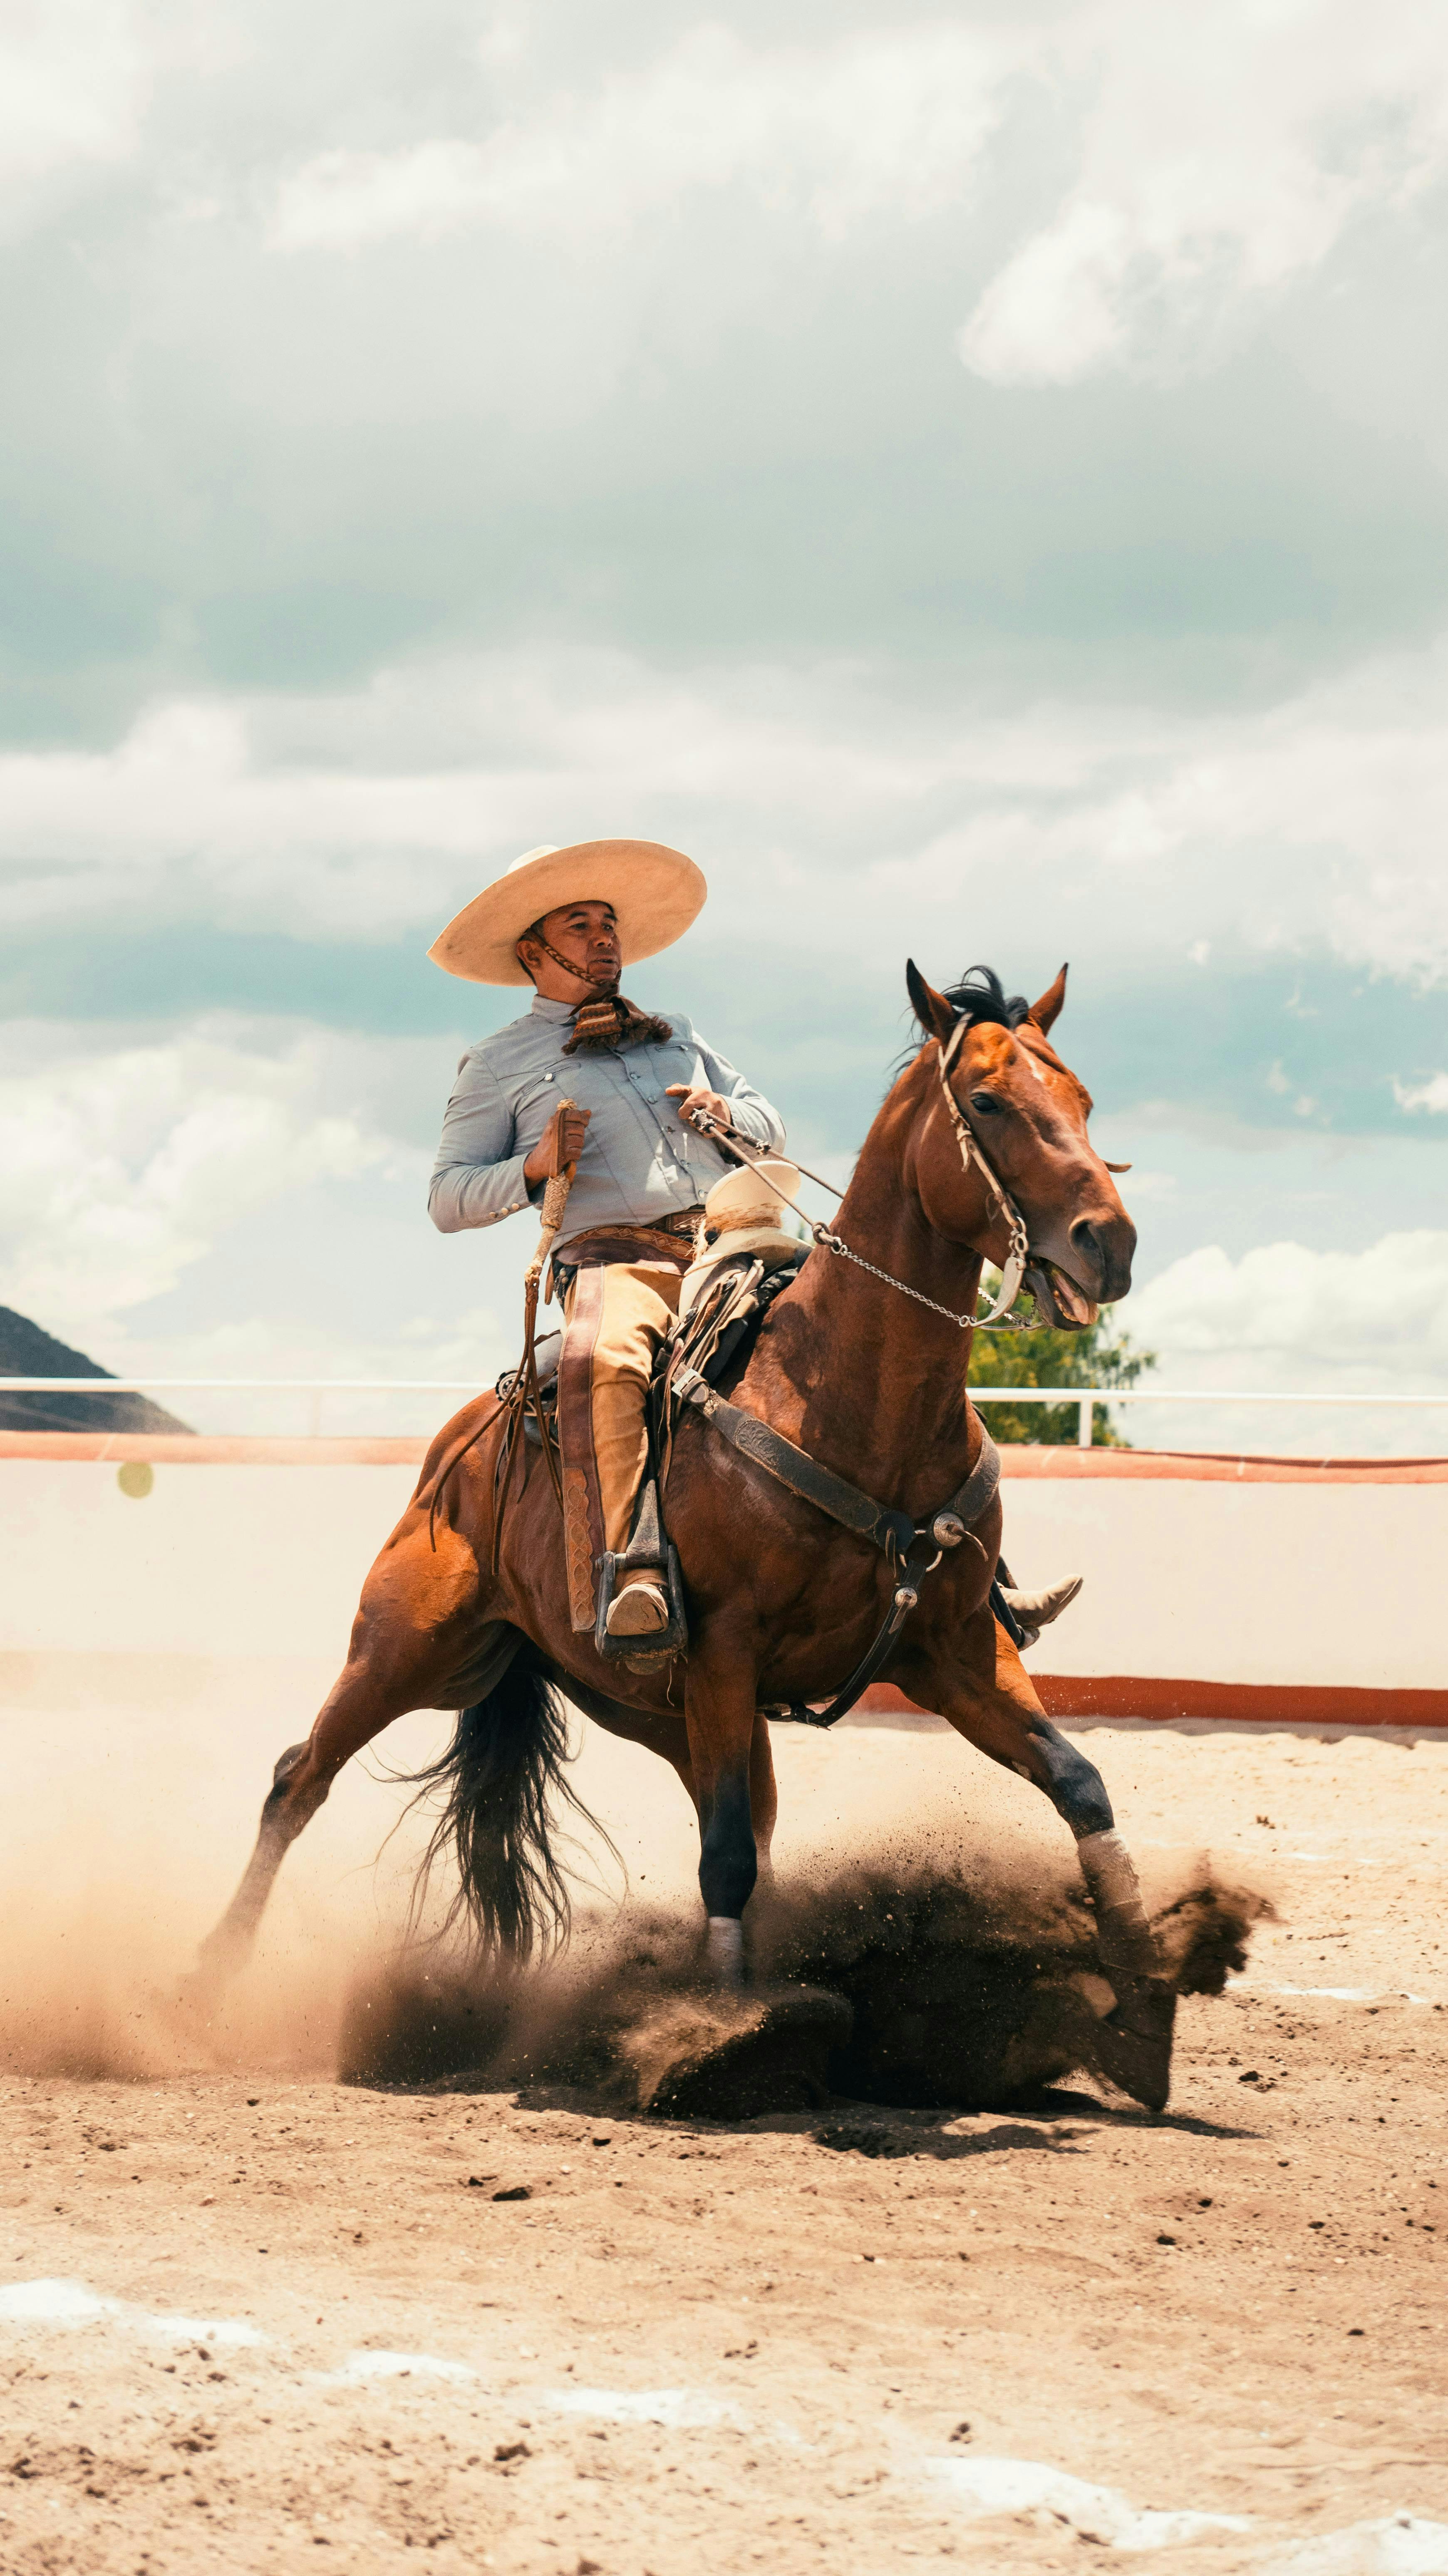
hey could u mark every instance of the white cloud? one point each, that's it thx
(124, 1166)
(1224, 155)
(73, 83)
(1213, 156)
(1316, 826)
(265, 1183)
(1286, 1315)
(78, 79)
(184, 803)
(1431, 1095)
(1218, 155)
(883, 124)
(466, 1351)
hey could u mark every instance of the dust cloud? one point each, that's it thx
(925, 1942)
(917, 1987)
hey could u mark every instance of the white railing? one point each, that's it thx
(317, 1387)
(1084, 1398)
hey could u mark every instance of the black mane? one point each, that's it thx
(980, 995)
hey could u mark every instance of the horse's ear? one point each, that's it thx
(1048, 1010)
(930, 1008)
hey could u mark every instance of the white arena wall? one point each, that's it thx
(1217, 1590)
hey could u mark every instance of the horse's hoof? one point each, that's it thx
(196, 1994)
(220, 1959)
(1134, 2043)
(731, 2058)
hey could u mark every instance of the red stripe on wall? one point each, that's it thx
(1106, 1695)
(1205, 1467)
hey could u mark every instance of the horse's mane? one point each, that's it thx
(980, 995)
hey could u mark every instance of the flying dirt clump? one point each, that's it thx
(918, 1987)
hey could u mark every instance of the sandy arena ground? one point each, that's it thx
(248, 2314)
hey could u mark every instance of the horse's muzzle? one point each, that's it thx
(1102, 1248)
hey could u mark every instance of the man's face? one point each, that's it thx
(587, 935)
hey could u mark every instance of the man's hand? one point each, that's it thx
(712, 1101)
(560, 1144)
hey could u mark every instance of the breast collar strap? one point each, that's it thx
(1014, 1270)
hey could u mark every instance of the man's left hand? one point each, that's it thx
(712, 1102)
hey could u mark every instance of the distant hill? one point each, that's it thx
(26, 1351)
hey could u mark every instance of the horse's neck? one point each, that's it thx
(870, 1382)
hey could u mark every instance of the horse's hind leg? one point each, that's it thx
(991, 1702)
(227, 1948)
(763, 1796)
(416, 1623)
(726, 1774)
(354, 1711)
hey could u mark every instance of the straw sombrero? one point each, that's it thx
(655, 892)
(734, 1201)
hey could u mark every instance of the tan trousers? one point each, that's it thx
(637, 1299)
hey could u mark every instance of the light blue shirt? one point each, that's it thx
(640, 1162)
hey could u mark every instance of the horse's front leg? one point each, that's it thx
(719, 1708)
(986, 1693)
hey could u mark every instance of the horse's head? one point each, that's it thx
(1026, 1114)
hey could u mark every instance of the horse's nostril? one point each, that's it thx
(1083, 1235)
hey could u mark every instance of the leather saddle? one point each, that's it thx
(717, 1327)
(724, 1300)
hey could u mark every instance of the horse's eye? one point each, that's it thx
(986, 1103)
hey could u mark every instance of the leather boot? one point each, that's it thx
(1036, 1610)
(638, 1609)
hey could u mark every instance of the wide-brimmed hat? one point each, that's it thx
(655, 892)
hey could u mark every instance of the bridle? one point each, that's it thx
(970, 1152)
(1000, 1319)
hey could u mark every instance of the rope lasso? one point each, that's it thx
(524, 1390)
(555, 1200)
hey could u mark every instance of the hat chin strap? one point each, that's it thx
(1014, 1270)
(604, 982)
(607, 1022)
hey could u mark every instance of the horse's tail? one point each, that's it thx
(499, 1777)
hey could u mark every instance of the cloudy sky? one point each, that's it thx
(976, 479)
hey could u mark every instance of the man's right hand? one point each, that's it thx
(560, 1144)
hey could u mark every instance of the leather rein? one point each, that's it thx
(999, 1319)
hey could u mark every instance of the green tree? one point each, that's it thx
(1099, 1356)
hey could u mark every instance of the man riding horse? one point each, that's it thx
(833, 1504)
(568, 921)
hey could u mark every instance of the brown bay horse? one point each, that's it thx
(782, 1602)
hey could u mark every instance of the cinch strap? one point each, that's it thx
(894, 1533)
